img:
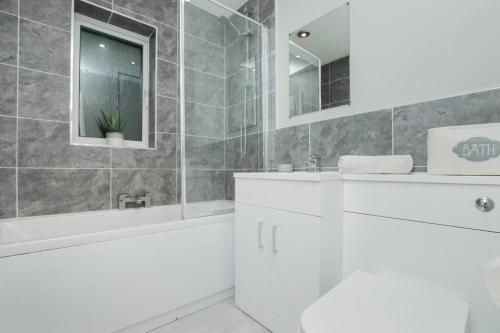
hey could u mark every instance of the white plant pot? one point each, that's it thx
(114, 139)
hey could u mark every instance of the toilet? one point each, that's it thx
(403, 276)
(385, 303)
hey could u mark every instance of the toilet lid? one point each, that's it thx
(368, 303)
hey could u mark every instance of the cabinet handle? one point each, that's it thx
(275, 240)
(259, 235)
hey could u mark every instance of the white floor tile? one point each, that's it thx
(222, 317)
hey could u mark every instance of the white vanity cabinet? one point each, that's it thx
(288, 244)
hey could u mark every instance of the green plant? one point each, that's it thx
(112, 123)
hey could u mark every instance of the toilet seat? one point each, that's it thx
(368, 303)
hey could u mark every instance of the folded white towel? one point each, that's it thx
(398, 164)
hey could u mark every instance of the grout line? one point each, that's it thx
(39, 71)
(167, 61)
(17, 110)
(46, 120)
(203, 72)
(16, 15)
(212, 106)
(46, 25)
(204, 40)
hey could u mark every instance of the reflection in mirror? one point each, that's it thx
(319, 64)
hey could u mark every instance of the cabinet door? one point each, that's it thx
(252, 248)
(295, 269)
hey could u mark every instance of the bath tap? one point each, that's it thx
(144, 201)
(313, 163)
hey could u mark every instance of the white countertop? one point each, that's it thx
(418, 177)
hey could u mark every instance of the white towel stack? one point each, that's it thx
(385, 164)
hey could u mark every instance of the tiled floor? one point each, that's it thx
(222, 317)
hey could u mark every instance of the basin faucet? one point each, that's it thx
(313, 163)
(144, 201)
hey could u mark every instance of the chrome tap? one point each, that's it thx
(125, 199)
(313, 163)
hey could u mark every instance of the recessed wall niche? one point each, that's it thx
(113, 79)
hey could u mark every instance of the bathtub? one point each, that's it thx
(113, 271)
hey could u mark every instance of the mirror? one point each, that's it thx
(319, 64)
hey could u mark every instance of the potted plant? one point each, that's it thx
(111, 127)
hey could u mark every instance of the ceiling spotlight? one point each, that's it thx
(102, 45)
(132, 62)
(297, 56)
(303, 34)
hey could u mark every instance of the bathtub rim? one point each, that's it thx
(49, 244)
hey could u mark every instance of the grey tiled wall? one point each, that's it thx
(40, 172)
(399, 130)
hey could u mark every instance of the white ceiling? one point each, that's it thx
(329, 39)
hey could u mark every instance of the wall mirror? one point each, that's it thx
(113, 94)
(319, 64)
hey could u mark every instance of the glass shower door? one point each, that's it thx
(222, 104)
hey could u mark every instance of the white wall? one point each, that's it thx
(402, 51)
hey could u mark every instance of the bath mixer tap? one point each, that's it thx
(313, 163)
(125, 199)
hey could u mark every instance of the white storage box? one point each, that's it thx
(464, 150)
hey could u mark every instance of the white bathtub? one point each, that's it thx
(126, 271)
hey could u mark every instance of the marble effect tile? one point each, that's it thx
(8, 193)
(58, 191)
(56, 13)
(205, 185)
(363, 134)
(46, 144)
(230, 185)
(236, 86)
(9, 6)
(161, 184)
(241, 154)
(44, 48)
(89, 10)
(167, 114)
(167, 84)
(203, 24)
(8, 90)
(411, 122)
(266, 9)
(131, 25)
(204, 88)
(204, 153)
(43, 96)
(167, 43)
(102, 3)
(204, 56)
(289, 145)
(204, 120)
(7, 141)
(164, 11)
(236, 120)
(8, 39)
(163, 157)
